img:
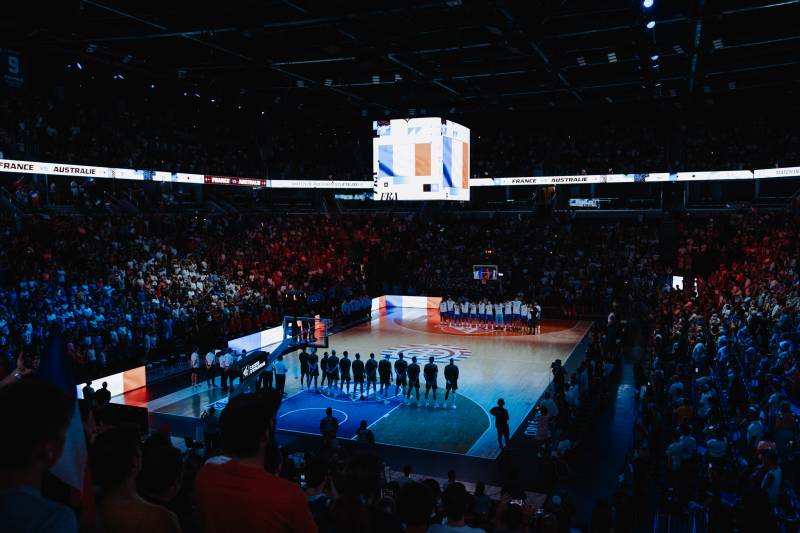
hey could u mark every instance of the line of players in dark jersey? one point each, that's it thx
(340, 373)
(510, 315)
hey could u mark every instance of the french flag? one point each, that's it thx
(72, 467)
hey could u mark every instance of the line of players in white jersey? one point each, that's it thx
(509, 315)
(340, 373)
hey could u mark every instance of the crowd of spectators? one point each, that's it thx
(135, 289)
(720, 377)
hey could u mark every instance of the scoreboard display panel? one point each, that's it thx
(425, 158)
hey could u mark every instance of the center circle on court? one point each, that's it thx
(440, 352)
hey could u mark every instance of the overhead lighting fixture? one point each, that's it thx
(78, 64)
(152, 85)
(651, 24)
(647, 3)
(717, 44)
(213, 100)
(197, 95)
(328, 83)
(612, 57)
(658, 84)
(609, 100)
(119, 77)
(376, 79)
(581, 61)
(654, 57)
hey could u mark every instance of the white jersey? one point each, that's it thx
(464, 308)
(498, 309)
(538, 309)
(473, 309)
(443, 307)
(481, 308)
(523, 310)
(516, 305)
(507, 309)
(450, 305)
(457, 310)
(489, 308)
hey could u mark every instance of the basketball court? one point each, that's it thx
(492, 365)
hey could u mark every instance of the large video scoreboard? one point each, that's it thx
(420, 159)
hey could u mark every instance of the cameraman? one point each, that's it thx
(558, 377)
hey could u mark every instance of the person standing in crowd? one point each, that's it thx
(371, 367)
(280, 376)
(329, 427)
(451, 383)
(358, 376)
(413, 380)
(344, 370)
(500, 414)
(210, 421)
(400, 381)
(385, 374)
(303, 358)
(431, 372)
(313, 369)
(103, 395)
(33, 440)
(211, 368)
(415, 503)
(194, 363)
(88, 393)
(267, 373)
(455, 499)
(240, 495)
(117, 463)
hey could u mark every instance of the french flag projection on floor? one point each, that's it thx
(71, 472)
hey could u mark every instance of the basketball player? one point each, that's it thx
(358, 376)
(431, 372)
(442, 311)
(498, 315)
(523, 316)
(482, 313)
(450, 307)
(385, 374)
(313, 370)
(413, 380)
(333, 372)
(507, 306)
(323, 368)
(400, 381)
(344, 371)
(451, 383)
(303, 367)
(372, 368)
(456, 314)
(537, 317)
(489, 315)
(473, 314)
(516, 306)
(464, 312)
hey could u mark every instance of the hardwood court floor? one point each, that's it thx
(492, 365)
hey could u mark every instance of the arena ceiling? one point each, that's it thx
(439, 55)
